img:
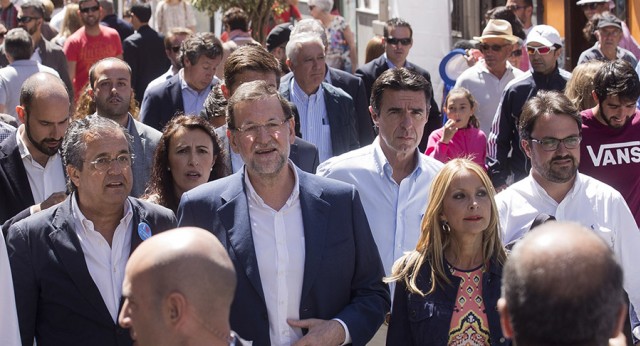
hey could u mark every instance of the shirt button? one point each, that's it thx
(502, 340)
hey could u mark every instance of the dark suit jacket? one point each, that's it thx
(145, 141)
(353, 86)
(123, 28)
(15, 191)
(52, 56)
(57, 300)
(144, 52)
(341, 114)
(302, 153)
(342, 270)
(374, 68)
(161, 103)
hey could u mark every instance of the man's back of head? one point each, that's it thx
(142, 11)
(562, 286)
(18, 45)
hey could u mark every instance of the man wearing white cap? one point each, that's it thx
(609, 34)
(507, 162)
(487, 79)
(591, 7)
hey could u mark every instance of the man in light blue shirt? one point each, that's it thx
(391, 175)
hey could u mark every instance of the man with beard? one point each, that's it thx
(110, 82)
(31, 171)
(308, 269)
(550, 132)
(89, 44)
(611, 130)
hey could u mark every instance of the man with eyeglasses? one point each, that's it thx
(172, 41)
(68, 262)
(487, 79)
(550, 132)
(506, 160)
(398, 40)
(110, 88)
(609, 34)
(89, 44)
(144, 50)
(309, 272)
(592, 7)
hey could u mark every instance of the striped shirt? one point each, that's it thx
(314, 123)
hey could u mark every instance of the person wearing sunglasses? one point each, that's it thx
(487, 79)
(506, 160)
(609, 33)
(398, 40)
(172, 42)
(144, 50)
(100, 40)
(593, 7)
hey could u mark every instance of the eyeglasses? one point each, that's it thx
(103, 164)
(26, 19)
(516, 53)
(174, 49)
(516, 7)
(544, 50)
(272, 127)
(403, 41)
(494, 47)
(90, 9)
(591, 6)
(551, 144)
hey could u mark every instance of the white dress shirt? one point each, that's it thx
(43, 180)
(9, 330)
(105, 263)
(394, 211)
(590, 202)
(314, 122)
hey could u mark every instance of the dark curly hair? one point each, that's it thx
(161, 181)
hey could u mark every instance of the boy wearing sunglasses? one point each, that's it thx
(507, 162)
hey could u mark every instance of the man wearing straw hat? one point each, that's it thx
(487, 79)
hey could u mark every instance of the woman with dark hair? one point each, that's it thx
(187, 155)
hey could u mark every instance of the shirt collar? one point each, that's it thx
(87, 225)
(22, 146)
(300, 94)
(384, 167)
(390, 64)
(184, 85)
(253, 195)
(541, 192)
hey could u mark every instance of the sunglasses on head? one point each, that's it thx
(90, 9)
(403, 41)
(26, 19)
(494, 47)
(544, 50)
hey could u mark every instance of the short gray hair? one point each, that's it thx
(312, 26)
(324, 5)
(295, 44)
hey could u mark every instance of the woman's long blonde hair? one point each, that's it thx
(434, 240)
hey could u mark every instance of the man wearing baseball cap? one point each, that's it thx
(592, 7)
(507, 162)
(609, 34)
(277, 42)
(487, 79)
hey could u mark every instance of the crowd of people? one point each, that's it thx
(163, 186)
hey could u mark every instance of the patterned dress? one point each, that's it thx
(338, 52)
(469, 324)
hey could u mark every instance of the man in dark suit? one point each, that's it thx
(327, 114)
(308, 268)
(110, 19)
(185, 92)
(144, 50)
(246, 64)
(75, 253)
(110, 81)
(31, 171)
(397, 40)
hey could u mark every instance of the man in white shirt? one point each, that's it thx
(550, 132)
(68, 262)
(487, 79)
(31, 170)
(392, 176)
(308, 268)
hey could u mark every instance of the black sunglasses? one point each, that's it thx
(494, 47)
(90, 9)
(403, 41)
(516, 53)
(26, 19)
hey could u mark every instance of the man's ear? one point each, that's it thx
(289, 63)
(225, 91)
(374, 116)
(595, 96)
(73, 174)
(22, 114)
(526, 146)
(232, 141)
(91, 93)
(505, 319)
(174, 308)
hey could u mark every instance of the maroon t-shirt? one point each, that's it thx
(613, 156)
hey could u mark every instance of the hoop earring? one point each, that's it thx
(445, 226)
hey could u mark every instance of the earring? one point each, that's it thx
(169, 169)
(445, 226)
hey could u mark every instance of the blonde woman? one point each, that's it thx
(448, 287)
(70, 24)
(580, 85)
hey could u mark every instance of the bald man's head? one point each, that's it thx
(561, 285)
(186, 276)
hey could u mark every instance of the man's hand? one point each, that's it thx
(52, 200)
(321, 332)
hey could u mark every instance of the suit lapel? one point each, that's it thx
(234, 215)
(139, 162)
(66, 244)
(315, 213)
(139, 216)
(15, 172)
